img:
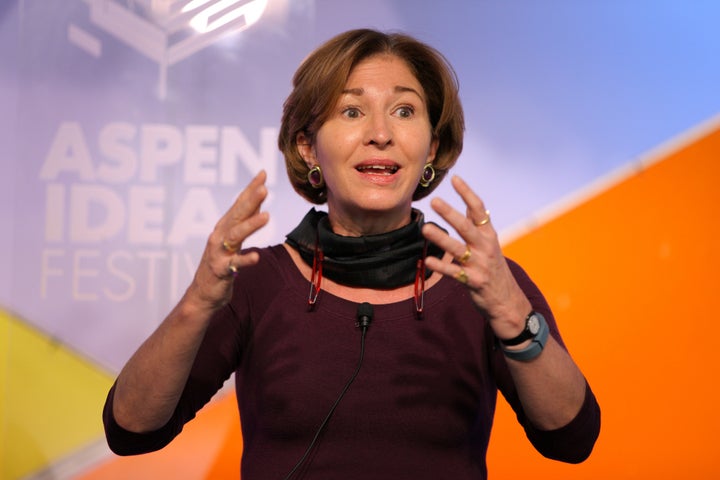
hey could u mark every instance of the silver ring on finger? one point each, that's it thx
(232, 269)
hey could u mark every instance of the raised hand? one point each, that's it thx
(478, 261)
(221, 261)
(149, 386)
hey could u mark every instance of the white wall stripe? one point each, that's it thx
(606, 182)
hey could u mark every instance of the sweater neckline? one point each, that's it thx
(440, 291)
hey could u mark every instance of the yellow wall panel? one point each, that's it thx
(50, 399)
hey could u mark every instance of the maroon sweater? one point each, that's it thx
(421, 407)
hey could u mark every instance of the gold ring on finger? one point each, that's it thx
(462, 277)
(465, 256)
(228, 248)
(485, 220)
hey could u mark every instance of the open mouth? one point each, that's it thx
(378, 169)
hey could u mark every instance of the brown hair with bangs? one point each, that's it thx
(321, 78)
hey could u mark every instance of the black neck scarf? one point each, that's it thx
(383, 261)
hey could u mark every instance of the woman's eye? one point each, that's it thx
(351, 112)
(405, 112)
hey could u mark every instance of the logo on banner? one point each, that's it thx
(125, 206)
(166, 31)
(129, 203)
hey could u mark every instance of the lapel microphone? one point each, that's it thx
(364, 315)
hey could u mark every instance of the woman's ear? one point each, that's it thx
(434, 144)
(305, 148)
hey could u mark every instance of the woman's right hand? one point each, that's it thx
(211, 287)
(149, 387)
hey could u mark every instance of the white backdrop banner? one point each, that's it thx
(129, 126)
(138, 124)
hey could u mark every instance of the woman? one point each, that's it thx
(443, 319)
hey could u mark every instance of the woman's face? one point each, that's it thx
(373, 146)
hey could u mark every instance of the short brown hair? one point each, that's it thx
(321, 77)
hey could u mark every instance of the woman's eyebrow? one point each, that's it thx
(398, 89)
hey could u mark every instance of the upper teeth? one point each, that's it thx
(378, 167)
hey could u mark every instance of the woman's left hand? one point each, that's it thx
(478, 261)
(551, 387)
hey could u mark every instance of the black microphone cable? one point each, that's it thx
(364, 316)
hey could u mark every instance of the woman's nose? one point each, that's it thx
(379, 131)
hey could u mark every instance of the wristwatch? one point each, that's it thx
(536, 328)
(532, 327)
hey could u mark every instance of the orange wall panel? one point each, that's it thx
(632, 277)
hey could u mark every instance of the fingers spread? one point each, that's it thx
(476, 211)
(244, 216)
(245, 260)
(237, 233)
(477, 251)
(249, 199)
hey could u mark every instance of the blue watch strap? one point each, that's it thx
(536, 345)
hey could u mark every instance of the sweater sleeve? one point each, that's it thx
(217, 358)
(220, 354)
(125, 442)
(573, 442)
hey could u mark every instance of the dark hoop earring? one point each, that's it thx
(428, 175)
(315, 177)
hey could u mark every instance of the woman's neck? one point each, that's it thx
(359, 225)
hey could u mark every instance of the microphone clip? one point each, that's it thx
(364, 315)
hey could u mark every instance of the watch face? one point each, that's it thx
(533, 325)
